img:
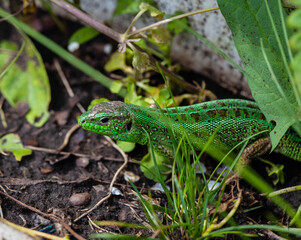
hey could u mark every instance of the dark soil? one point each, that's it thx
(46, 181)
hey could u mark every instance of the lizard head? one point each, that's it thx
(110, 118)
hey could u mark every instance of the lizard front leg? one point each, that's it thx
(256, 149)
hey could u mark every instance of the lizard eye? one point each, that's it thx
(104, 120)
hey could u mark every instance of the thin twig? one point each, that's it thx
(169, 20)
(112, 182)
(88, 20)
(67, 137)
(54, 151)
(66, 84)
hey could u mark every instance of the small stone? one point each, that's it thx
(158, 187)
(212, 185)
(116, 192)
(130, 176)
(46, 170)
(80, 199)
(73, 46)
(82, 162)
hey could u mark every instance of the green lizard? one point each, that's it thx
(234, 120)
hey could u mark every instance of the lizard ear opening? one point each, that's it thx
(129, 126)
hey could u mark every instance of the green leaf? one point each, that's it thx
(116, 86)
(117, 62)
(160, 35)
(130, 6)
(154, 12)
(148, 166)
(84, 34)
(295, 41)
(296, 65)
(126, 146)
(133, 97)
(141, 61)
(96, 101)
(12, 143)
(296, 217)
(61, 52)
(250, 24)
(26, 81)
(294, 19)
(177, 26)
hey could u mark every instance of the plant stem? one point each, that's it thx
(171, 19)
(88, 20)
(133, 22)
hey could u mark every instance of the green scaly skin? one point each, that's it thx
(234, 120)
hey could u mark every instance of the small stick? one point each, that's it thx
(67, 137)
(54, 151)
(66, 84)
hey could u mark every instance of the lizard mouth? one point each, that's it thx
(84, 122)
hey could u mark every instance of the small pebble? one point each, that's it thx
(200, 167)
(107, 49)
(73, 46)
(46, 170)
(116, 192)
(130, 176)
(212, 185)
(158, 187)
(80, 199)
(82, 162)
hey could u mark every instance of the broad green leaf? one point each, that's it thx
(250, 24)
(151, 90)
(130, 6)
(296, 65)
(294, 19)
(83, 35)
(117, 62)
(148, 166)
(116, 86)
(154, 12)
(141, 61)
(96, 101)
(133, 97)
(12, 143)
(160, 35)
(126, 146)
(26, 81)
(295, 41)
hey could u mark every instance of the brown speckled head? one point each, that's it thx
(111, 118)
